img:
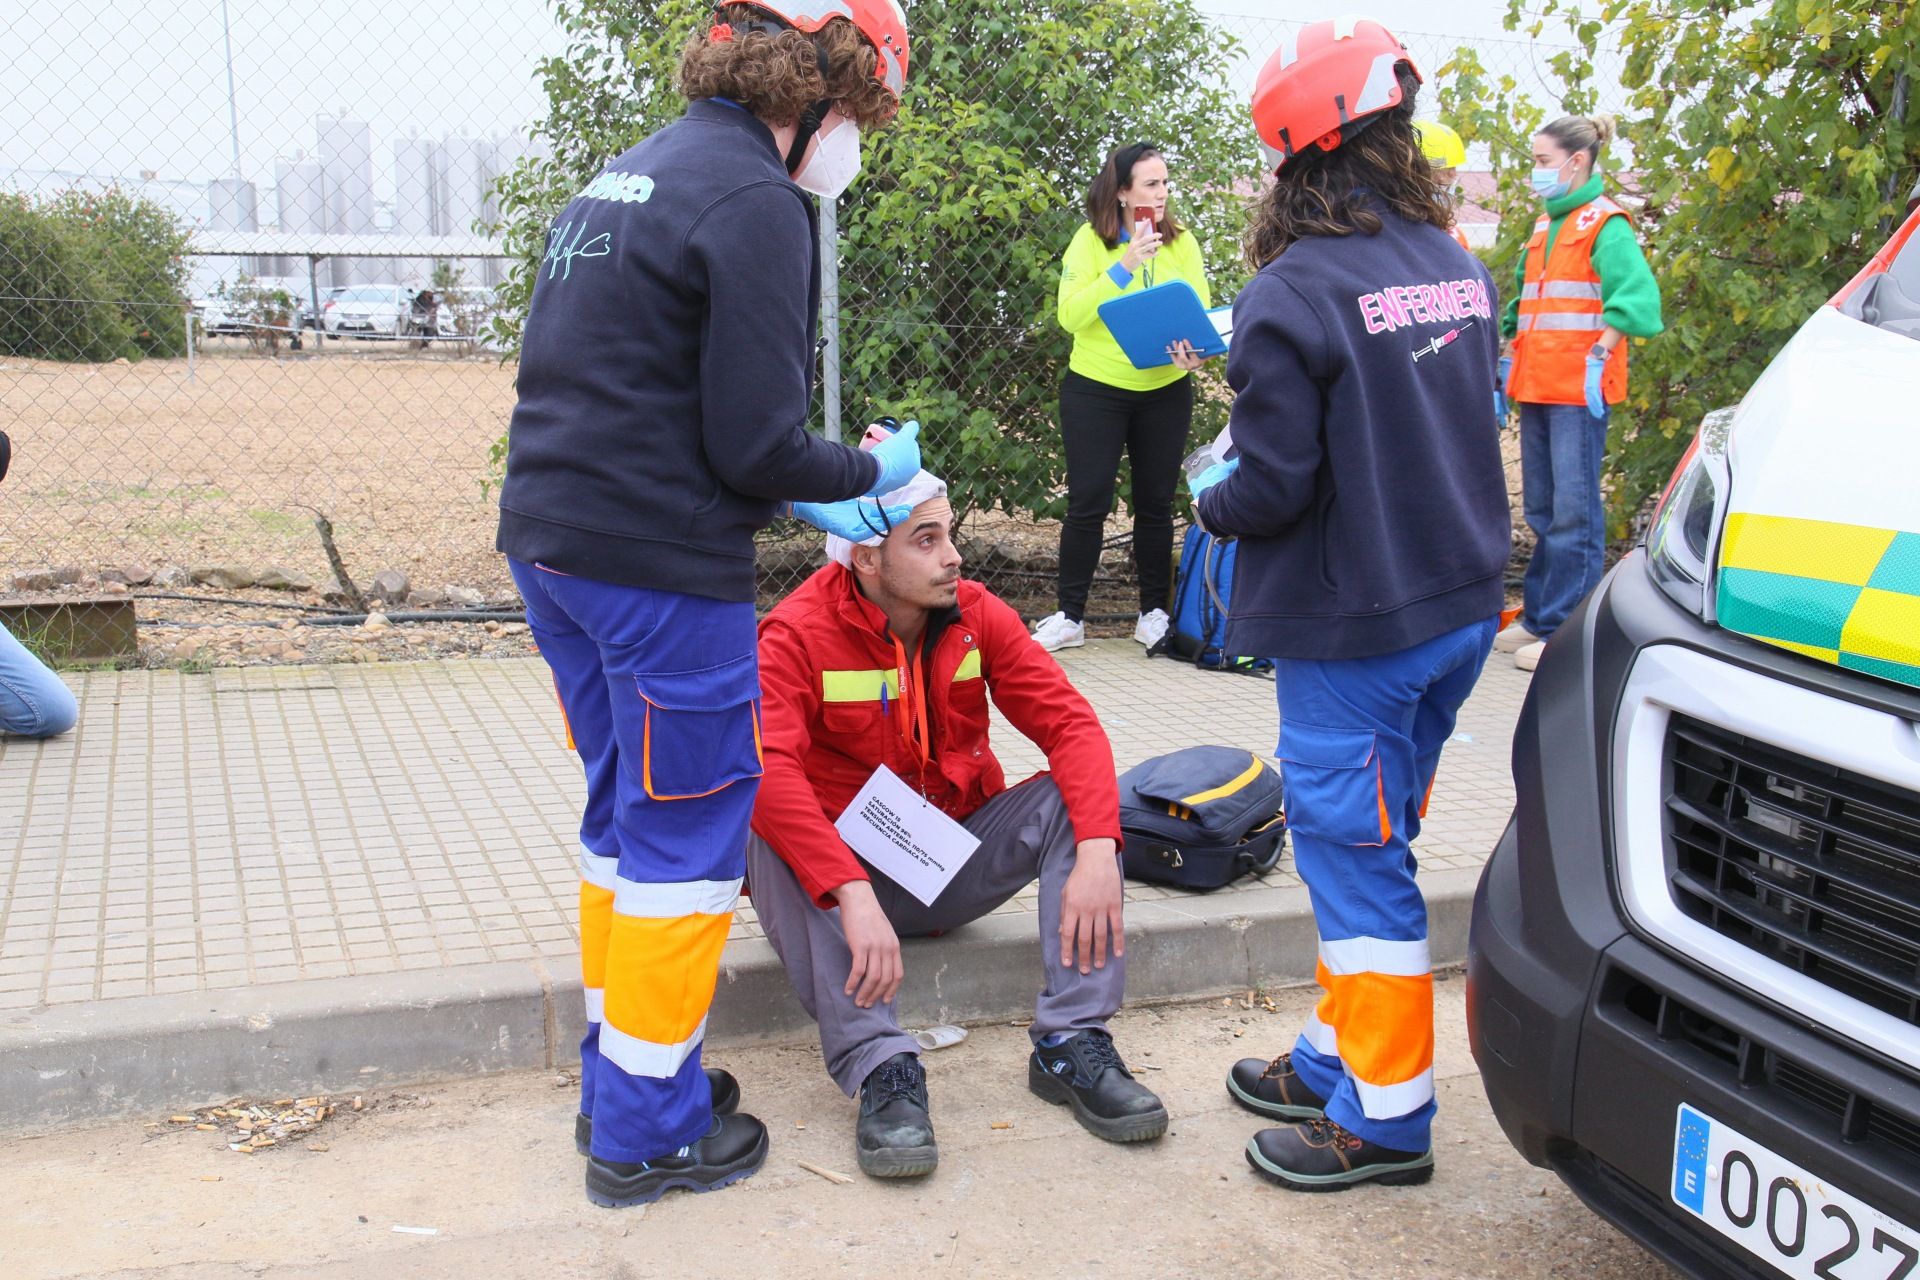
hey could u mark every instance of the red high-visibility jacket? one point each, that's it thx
(825, 655)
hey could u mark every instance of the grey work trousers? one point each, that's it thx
(1024, 834)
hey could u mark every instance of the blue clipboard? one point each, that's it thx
(1145, 324)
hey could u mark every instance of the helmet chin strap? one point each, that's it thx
(807, 128)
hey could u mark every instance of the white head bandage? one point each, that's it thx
(924, 487)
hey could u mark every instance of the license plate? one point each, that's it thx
(1782, 1214)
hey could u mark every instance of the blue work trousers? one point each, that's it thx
(1360, 742)
(661, 697)
(33, 700)
(1562, 450)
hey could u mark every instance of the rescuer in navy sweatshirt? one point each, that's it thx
(664, 387)
(1367, 491)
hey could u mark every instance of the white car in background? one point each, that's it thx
(367, 311)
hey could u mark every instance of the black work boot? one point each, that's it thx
(894, 1138)
(734, 1147)
(1085, 1073)
(726, 1101)
(1273, 1089)
(1319, 1155)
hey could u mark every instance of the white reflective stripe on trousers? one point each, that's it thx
(1320, 1036)
(1388, 1101)
(596, 1003)
(670, 901)
(639, 1057)
(1347, 956)
(598, 869)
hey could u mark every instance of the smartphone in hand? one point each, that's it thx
(1144, 213)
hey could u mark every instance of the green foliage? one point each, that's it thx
(268, 313)
(1774, 145)
(91, 276)
(951, 238)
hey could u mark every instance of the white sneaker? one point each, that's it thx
(1152, 627)
(1514, 638)
(1527, 657)
(1055, 632)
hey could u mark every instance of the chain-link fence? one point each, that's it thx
(258, 284)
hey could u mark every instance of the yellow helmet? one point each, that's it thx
(1440, 144)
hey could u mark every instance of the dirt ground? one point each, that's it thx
(150, 465)
(479, 1178)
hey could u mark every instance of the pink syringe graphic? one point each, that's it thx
(1444, 340)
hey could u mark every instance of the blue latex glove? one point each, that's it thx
(899, 456)
(856, 519)
(1500, 390)
(1213, 475)
(1596, 398)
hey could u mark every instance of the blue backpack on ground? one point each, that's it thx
(1198, 633)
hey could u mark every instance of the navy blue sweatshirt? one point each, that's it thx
(1370, 501)
(667, 367)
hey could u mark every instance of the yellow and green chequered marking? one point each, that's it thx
(1843, 593)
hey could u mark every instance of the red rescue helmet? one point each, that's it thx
(882, 22)
(1323, 80)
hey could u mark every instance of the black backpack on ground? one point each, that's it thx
(1201, 818)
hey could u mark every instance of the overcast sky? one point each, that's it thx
(117, 87)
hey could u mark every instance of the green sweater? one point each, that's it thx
(1629, 295)
(1090, 274)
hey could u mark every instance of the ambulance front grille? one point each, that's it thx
(1808, 865)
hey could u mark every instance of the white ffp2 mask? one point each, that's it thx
(835, 161)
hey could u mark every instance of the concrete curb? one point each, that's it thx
(151, 1055)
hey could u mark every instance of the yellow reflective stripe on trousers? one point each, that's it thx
(1376, 955)
(859, 686)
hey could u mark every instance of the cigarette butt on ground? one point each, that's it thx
(831, 1175)
(1001, 1124)
(418, 1231)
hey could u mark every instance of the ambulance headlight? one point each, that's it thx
(1684, 539)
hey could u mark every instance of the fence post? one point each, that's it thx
(313, 293)
(830, 316)
(190, 371)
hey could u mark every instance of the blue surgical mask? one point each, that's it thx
(1548, 184)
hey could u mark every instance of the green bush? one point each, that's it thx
(91, 276)
(54, 297)
(951, 238)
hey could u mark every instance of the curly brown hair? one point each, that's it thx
(777, 75)
(1338, 192)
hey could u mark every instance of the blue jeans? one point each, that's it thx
(33, 701)
(660, 694)
(1360, 742)
(1562, 447)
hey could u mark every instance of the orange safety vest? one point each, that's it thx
(1460, 238)
(1560, 314)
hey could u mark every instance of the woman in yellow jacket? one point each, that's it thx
(1107, 405)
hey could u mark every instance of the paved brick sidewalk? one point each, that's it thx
(209, 832)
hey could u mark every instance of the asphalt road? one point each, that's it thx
(488, 1167)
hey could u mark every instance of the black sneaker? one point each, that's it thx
(1085, 1073)
(726, 1101)
(894, 1138)
(1273, 1089)
(1319, 1155)
(734, 1148)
